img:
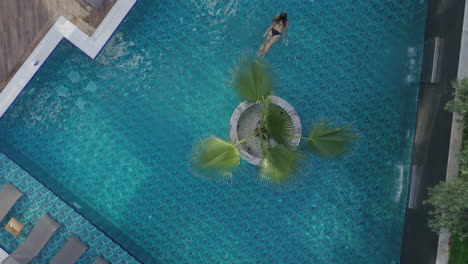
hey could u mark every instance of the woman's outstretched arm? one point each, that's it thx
(285, 31)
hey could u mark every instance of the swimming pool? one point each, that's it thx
(112, 136)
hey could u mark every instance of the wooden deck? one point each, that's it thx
(23, 23)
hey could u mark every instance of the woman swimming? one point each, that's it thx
(278, 27)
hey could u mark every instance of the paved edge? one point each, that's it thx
(456, 136)
(63, 28)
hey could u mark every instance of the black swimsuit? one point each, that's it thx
(275, 32)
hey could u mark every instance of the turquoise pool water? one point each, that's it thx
(111, 136)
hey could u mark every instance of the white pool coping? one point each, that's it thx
(63, 28)
(3, 255)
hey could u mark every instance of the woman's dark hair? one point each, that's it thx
(283, 17)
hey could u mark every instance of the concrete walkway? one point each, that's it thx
(23, 23)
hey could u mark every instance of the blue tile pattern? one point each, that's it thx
(111, 136)
(37, 201)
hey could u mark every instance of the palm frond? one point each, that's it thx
(279, 124)
(252, 78)
(279, 165)
(328, 142)
(215, 158)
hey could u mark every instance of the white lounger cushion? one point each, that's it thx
(70, 252)
(8, 196)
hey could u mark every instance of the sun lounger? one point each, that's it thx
(34, 242)
(70, 252)
(100, 260)
(8, 196)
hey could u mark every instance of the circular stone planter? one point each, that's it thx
(244, 122)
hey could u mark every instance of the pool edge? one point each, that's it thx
(63, 28)
(430, 161)
(456, 136)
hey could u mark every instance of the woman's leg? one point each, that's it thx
(268, 45)
(262, 47)
(264, 44)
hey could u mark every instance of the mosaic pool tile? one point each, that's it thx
(37, 201)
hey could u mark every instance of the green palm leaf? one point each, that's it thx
(215, 158)
(328, 142)
(252, 79)
(279, 124)
(279, 165)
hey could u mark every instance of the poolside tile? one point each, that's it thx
(37, 201)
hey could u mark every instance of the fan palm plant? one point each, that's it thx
(253, 80)
(216, 158)
(279, 165)
(328, 142)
